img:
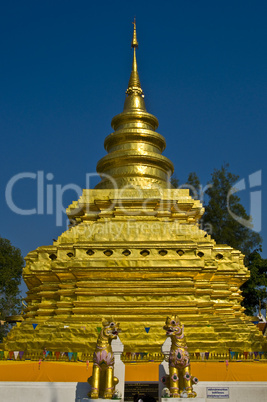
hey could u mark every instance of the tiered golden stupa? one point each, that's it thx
(135, 252)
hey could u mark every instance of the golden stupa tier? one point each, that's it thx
(135, 252)
(137, 259)
(134, 149)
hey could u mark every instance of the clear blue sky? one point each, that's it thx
(64, 70)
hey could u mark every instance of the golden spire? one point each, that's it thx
(134, 148)
(134, 41)
(134, 82)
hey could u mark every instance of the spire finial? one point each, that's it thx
(134, 82)
(134, 41)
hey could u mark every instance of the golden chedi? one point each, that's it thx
(134, 252)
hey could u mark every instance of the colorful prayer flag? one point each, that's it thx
(16, 353)
(70, 354)
(232, 354)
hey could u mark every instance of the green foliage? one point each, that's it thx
(11, 264)
(194, 186)
(174, 182)
(255, 289)
(225, 229)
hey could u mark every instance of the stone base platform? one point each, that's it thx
(183, 399)
(77, 392)
(97, 400)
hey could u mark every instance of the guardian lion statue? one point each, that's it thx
(180, 380)
(103, 381)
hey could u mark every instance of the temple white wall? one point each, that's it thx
(75, 392)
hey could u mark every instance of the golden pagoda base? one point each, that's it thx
(80, 371)
(135, 257)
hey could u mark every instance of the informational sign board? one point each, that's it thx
(217, 392)
(141, 388)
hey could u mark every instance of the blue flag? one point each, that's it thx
(70, 354)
